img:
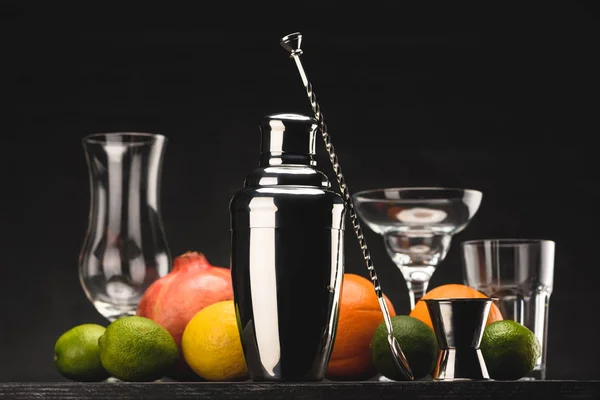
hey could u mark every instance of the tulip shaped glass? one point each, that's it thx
(125, 249)
(417, 225)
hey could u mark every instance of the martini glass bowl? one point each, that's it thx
(417, 225)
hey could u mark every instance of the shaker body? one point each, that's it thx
(287, 283)
(287, 263)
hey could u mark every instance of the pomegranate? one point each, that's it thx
(192, 284)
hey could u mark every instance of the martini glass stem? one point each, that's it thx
(417, 255)
(416, 290)
(417, 280)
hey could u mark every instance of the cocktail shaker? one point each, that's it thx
(287, 258)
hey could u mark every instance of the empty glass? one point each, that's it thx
(520, 273)
(125, 249)
(417, 225)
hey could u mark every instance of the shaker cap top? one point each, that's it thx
(290, 116)
(288, 133)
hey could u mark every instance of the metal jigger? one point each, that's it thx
(458, 326)
(292, 43)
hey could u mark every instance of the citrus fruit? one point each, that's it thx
(358, 318)
(77, 355)
(137, 349)
(418, 342)
(174, 299)
(510, 350)
(211, 344)
(452, 291)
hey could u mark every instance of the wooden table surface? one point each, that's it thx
(421, 390)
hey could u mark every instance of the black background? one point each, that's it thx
(500, 99)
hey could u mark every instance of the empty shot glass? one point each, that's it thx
(520, 273)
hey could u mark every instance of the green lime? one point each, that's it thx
(510, 350)
(418, 343)
(137, 349)
(77, 355)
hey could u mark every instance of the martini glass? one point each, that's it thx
(417, 225)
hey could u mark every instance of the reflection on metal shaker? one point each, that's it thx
(287, 256)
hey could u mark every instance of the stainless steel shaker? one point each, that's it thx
(287, 259)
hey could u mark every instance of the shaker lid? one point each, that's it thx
(288, 133)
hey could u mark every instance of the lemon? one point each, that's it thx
(211, 344)
(137, 349)
(418, 343)
(510, 350)
(77, 355)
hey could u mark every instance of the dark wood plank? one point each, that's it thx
(348, 390)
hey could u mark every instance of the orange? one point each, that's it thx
(359, 317)
(451, 291)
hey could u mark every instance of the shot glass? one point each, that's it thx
(520, 274)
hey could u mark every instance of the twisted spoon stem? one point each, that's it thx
(399, 356)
